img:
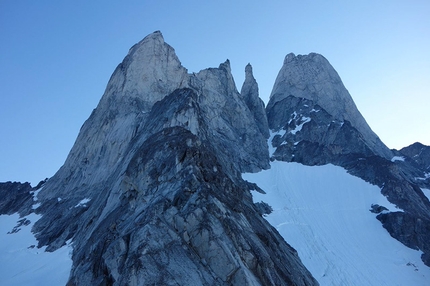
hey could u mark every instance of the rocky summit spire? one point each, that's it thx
(149, 71)
(312, 77)
(251, 96)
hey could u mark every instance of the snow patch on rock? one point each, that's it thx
(398, 158)
(426, 193)
(83, 203)
(300, 126)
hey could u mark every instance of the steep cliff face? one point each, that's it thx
(312, 77)
(151, 192)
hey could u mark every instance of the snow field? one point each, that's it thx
(22, 263)
(323, 212)
(426, 193)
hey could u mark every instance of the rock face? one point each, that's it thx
(151, 192)
(250, 93)
(305, 132)
(312, 77)
(419, 153)
(15, 198)
(314, 121)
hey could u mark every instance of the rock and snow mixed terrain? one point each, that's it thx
(152, 190)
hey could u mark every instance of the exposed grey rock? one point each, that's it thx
(263, 208)
(314, 122)
(308, 134)
(375, 208)
(418, 152)
(182, 220)
(313, 78)
(151, 192)
(413, 161)
(231, 124)
(412, 231)
(16, 198)
(250, 93)
(149, 72)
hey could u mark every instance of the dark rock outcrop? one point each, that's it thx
(16, 198)
(375, 208)
(414, 161)
(305, 132)
(410, 230)
(418, 152)
(182, 220)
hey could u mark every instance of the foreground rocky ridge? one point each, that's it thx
(152, 193)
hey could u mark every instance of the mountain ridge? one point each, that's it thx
(160, 123)
(152, 189)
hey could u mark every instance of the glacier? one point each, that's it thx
(22, 263)
(323, 212)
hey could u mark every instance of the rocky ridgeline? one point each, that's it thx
(152, 193)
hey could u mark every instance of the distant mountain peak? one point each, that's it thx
(312, 77)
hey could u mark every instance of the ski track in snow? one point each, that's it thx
(323, 212)
(22, 263)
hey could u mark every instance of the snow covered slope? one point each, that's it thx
(22, 263)
(323, 212)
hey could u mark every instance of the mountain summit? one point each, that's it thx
(152, 191)
(158, 165)
(312, 77)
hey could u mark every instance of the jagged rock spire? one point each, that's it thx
(251, 96)
(149, 72)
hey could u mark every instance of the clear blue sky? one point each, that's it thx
(57, 56)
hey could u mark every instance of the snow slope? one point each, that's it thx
(426, 193)
(22, 263)
(323, 212)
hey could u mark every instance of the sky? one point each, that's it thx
(56, 58)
